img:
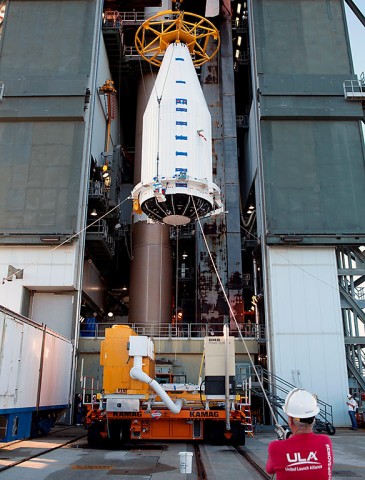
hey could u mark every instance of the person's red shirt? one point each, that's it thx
(305, 456)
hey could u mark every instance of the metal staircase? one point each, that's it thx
(276, 390)
(351, 278)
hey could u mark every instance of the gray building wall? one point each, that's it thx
(312, 146)
(45, 63)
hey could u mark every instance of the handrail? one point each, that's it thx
(167, 330)
(278, 384)
(115, 19)
(354, 89)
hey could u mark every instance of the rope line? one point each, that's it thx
(235, 320)
(68, 240)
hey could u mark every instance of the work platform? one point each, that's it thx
(355, 89)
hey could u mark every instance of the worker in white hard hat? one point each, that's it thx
(352, 407)
(304, 455)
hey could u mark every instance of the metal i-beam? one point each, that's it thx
(352, 304)
(352, 368)
(356, 11)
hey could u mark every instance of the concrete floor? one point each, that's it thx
(152, 462)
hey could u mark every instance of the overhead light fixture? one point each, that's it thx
(237, 54)
(50, 239)
(110, 314)
(105, 170)
(184, 255)
(292, 238)
(94, 213)
(239, 41)
(239, 7)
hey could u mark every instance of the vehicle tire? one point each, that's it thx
(238, 434)
(93, 435)
(330, 429)
(214, 432)
(115, 433)
(119, 432)
(126, 431)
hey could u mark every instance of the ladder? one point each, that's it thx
(246, 409)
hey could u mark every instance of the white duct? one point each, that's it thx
(138, 374)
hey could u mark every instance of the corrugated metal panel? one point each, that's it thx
(41, 168)
(312, 146)
(314, 177)
(46, 60)
(301, 37)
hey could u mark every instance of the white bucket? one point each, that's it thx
(186, 461)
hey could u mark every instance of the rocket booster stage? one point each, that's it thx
(176, 175)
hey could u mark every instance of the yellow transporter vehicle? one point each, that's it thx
(134, 406)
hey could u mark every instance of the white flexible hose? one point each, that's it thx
(137, 373)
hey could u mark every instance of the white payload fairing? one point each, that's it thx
(176, 171)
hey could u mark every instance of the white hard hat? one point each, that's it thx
(349, 395)
(299, 403)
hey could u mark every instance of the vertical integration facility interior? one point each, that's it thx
(287, 147)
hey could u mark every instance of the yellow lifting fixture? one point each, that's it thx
(109, 93)
(155, 35)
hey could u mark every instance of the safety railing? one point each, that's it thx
(100, 231)
(354, 89)
(132, 53)
(115, 19)
(183, 231)
(167, 330)
(278, 388)
(97, 190)
(239, 25)
(242, 121)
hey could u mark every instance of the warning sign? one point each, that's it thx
(156, 414)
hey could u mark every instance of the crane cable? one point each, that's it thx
(68, 240)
